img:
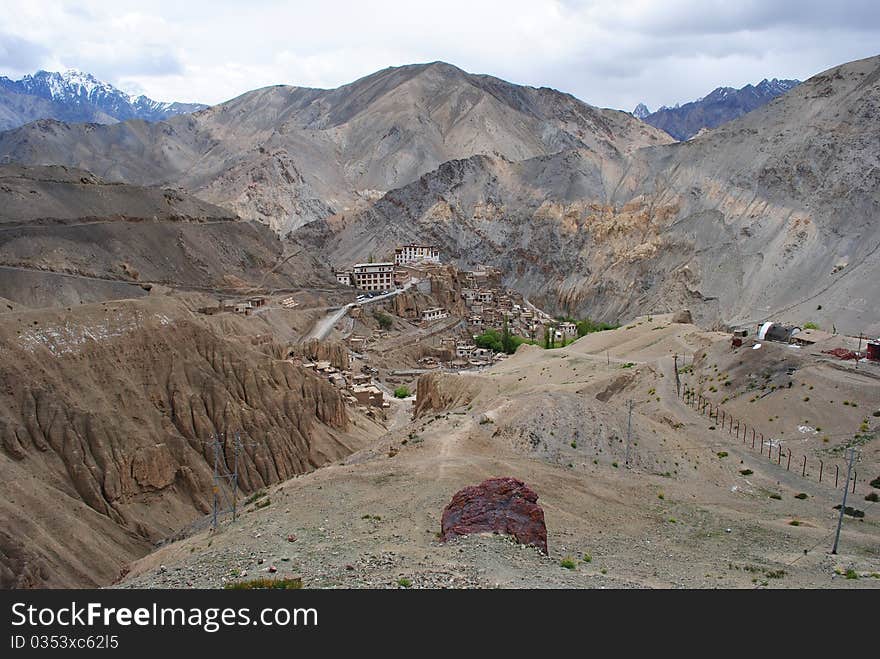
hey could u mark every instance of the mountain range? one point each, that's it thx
(721, 105)
(590, 212)
(290, 155)
(75, 96)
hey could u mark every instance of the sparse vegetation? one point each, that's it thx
(262, 503)
(259, 494)
(851, 574)
(587, 558)
(401, 392)
(776, 496)
(722, 454)
(746, 472)
(852, 512)
(385, 321)
(403, 582)
(873, 496)
(801, 495)
(568, 563)
(794, 522)
(265, 583)
(811, 325)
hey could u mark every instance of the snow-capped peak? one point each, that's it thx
(641, 111)
(82, 97)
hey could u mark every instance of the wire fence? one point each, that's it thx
(825, 472)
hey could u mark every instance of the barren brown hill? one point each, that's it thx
(769, 216)
(105, 417)
(68, 237)
(288, 155)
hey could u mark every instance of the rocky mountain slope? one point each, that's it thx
(288, 155)
(770, 215)
(105, 417)
(720, 106)
(75, 96)
(68, 237)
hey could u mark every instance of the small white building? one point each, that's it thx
(430, 315)
(569, 330)
(415, 253)
(464, 350)
(344, 278)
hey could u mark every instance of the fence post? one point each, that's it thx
(804, 472)
(836, 475)
(723, 417)
(753, 435)
(788, 466)
(821, 469)
(762, 443)
(779, 457)
(855, 476)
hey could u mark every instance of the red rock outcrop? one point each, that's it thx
(497, 505)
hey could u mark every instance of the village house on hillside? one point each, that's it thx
(414, 253)
(373, 276)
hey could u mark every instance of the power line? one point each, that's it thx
(852, 457)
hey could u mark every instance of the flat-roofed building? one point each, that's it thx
(429, 315)
(415, 253)
(373, 276)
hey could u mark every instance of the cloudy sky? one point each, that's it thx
(611, 53)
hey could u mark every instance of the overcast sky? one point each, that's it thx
(611, 53)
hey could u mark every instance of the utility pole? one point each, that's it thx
(222, 473)
(677, 381)
(852, 457)
(629, 430)
(215, 444)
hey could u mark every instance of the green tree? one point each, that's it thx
(507, 343)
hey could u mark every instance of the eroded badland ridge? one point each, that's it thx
(391, 291)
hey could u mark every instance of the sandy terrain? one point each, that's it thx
(682, 515)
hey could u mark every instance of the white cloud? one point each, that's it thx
(611, 53)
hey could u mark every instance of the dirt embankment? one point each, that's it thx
(105, 423)
(437, 392)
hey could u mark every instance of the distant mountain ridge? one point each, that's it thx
(287, 155)
(720, 106)
(75, 96)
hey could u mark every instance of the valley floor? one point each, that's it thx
(682, 515)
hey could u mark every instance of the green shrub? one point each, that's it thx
(265, 583)
(852, 574)
(776, 496)
(401, 392)
(801, 495)
(568, 563)
(873, 496)
(404, 582)
(746, 472)
(722, 454)
(811, 326)
(259, 494)
(587, 558)
(262, 503)
(794, 522)
(385, 321)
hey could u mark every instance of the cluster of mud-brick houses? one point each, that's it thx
(357, 388)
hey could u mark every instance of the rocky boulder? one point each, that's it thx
(497, 505)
